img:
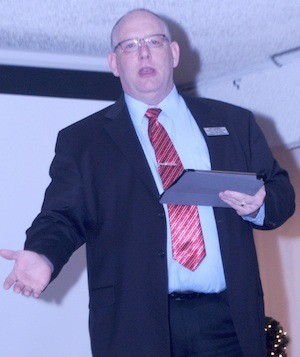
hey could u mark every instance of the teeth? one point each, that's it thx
(146, 70)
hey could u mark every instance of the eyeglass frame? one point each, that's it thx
(138, 41)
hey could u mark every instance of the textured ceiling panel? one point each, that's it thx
(229, 36)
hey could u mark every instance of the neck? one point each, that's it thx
(151, 98)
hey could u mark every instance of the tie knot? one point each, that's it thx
(152, 113)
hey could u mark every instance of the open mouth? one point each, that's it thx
(146, 71)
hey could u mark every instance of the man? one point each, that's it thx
(106, 180)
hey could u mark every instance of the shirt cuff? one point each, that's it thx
(259, 219)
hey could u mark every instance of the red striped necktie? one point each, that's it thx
(186, 233)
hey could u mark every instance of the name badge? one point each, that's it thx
(216, 131)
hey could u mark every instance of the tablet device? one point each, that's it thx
(202, 188)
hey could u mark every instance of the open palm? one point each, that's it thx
(31, 273)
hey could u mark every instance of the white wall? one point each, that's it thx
(57, 323)
(273, 94)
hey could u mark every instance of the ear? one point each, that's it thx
(175, 53)
(112, 62)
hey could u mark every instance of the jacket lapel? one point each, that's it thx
(122, 132)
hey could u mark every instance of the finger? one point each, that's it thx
(18, 287)
(9, 281)
(241, 208)
(235, 196)
(36, 294)
(233, 199)
(8, 254)
(26, 291)
(240, 199)
(241, 203)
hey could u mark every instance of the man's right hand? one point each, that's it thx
(31, 273)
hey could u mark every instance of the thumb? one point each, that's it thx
(8, 254)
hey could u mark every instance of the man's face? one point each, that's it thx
(147, 73)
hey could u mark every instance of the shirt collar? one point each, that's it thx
(169, 105)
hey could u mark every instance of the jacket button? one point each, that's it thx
(161, 214)
(161, 253)
(272, 224)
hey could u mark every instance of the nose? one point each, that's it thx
(144, 51)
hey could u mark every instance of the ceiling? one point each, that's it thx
(216, 37)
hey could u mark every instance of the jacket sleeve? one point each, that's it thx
(59, 229)
(280, 196)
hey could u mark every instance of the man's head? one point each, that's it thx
(145, 69)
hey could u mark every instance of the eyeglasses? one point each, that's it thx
(133, 44)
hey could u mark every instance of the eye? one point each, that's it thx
(155, 41)
(129, 46)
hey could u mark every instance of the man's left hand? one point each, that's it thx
(245, 205)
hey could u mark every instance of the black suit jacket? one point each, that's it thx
(103, 194)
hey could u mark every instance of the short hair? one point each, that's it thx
(136, 10)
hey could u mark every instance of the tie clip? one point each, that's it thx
(167, 164)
